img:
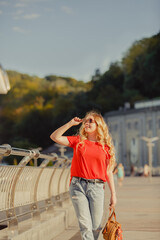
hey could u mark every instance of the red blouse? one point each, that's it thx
(90, 160)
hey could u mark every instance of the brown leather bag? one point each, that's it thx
(112, 229)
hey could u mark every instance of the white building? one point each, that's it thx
(127, 126)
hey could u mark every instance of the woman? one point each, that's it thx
(92, 164)
(120, 174)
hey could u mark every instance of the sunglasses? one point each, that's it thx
(89, 120)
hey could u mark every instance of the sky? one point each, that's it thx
(72, 38)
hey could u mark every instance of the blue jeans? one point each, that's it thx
(88, 201)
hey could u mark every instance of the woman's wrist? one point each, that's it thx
(70, 124)
(113, 193)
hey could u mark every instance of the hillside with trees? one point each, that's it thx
(136, 77)
(35, 106)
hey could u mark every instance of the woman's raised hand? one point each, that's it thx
(57, 135)
(76, 121)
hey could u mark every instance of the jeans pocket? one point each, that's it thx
(74, 181)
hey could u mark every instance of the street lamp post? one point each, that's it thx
(150, 144)
(62, 149)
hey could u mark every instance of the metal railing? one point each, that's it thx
(27, 190)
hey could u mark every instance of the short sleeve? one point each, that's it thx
(73, 140)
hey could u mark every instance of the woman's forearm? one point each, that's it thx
(111, 185)
(60, 131)
(111, 182)
(57, 135)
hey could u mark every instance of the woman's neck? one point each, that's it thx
(92, 137)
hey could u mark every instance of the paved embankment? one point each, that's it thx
(138, 210)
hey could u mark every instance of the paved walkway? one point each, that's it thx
(138, 210)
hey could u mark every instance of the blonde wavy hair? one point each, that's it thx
(103, 136)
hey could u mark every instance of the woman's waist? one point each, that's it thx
(94, 180)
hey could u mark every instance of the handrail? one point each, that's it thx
(35, 187)
(6, 150)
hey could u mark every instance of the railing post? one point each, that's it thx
(56, 166)
(11, 214)
(36, 213)
(66, 163)
(5, 151)
(68, 175)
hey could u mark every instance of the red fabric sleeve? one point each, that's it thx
(73, 140)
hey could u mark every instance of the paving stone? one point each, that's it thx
(137, 209)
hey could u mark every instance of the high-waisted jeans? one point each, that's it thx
(88, 201)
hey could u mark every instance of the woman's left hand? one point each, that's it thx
(113, 201)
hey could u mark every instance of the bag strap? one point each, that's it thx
(109, 219)
(112, 214)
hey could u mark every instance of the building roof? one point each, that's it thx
(124, 111)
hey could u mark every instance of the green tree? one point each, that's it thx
(107, 92)
(141, 67)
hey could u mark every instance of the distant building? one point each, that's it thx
(127, 126)
(4, 81)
